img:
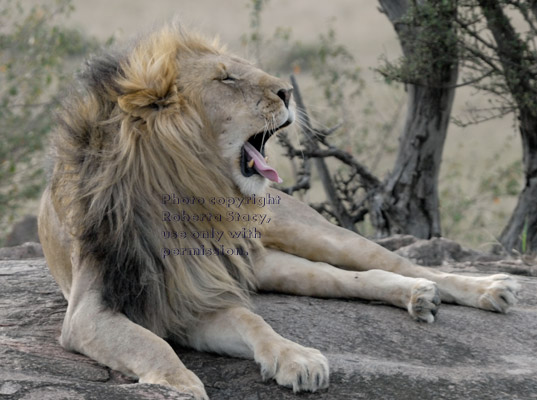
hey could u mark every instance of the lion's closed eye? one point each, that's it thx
(230, 79)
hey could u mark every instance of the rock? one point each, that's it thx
(433, 252)
(375, 351)
(26, 250)
(33, 366)
(436, 251)
(23, 231)
(395, 242)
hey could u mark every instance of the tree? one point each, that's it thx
(507, 66)
(438, 39)
(408, 201)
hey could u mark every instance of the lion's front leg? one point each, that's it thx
(113, 340)
(241, 333)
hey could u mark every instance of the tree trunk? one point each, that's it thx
(409, 202)
(518, 62)
(520, 233)
(412, 186)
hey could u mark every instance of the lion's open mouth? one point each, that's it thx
(253, 160)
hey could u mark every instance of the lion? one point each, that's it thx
(158, 152)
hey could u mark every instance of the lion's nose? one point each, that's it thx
(285, 95)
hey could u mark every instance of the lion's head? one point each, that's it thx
(239, 106)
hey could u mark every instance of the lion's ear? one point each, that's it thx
(144, 102)
(147, 83)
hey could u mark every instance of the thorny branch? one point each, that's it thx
(341, 191)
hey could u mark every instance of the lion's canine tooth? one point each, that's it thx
(251, 163)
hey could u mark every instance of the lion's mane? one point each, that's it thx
(127, 136)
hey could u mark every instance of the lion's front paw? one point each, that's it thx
(424, 300)
(499, 292)
(184, 381)
(292, 365)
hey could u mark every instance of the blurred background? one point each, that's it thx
(333, 48)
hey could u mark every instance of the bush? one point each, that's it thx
(34, 51)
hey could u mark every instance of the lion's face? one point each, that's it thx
(245, 107)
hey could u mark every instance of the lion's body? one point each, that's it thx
(172, 115)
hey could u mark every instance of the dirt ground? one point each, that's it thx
(359, 25)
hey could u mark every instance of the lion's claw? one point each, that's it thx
(295, 366)
(499, 293)
(424, 301)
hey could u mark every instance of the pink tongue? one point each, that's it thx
(260, 165)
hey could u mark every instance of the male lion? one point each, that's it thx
(149, 145)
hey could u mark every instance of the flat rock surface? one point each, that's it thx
(375, 351)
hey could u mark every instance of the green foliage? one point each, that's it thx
(503, 69)
(474, 214)
(33, 52)
(335, 70)
(435, 50)
(503, 180)
(524, 237)
(255, 36)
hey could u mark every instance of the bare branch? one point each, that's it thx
(303, 177)
(310, 144)
(368, 179)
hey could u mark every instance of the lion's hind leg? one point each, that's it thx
(286, 273)
(241, 333)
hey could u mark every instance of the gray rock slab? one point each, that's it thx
(375, 351)
(24, 230)
(23, 251)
